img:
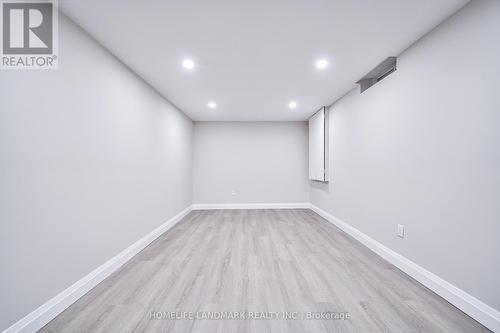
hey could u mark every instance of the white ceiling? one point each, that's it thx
(255, 56)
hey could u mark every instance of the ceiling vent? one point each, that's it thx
(384, 69)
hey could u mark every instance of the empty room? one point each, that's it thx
(250, 166)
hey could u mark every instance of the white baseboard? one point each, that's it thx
(49, 310)
(303, 205)
(478, 310)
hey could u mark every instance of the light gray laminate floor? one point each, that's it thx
(256, 261)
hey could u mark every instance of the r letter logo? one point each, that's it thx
(29, 34)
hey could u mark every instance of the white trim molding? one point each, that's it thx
(53, 307)
(470, 305)
(301, 205)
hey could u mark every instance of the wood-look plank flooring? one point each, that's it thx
(260, 261)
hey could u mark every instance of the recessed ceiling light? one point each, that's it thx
(188, 64)
(212, 105)
(292, 105)
(321, 64)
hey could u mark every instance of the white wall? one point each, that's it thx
(264, 162)
(91, 160)
(422, 148)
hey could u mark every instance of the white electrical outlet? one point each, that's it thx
(233, 192)
(401, 231)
